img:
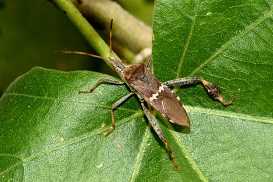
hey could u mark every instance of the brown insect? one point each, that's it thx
(152, 93)
(157, 95)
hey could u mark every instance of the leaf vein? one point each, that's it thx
(265, 120)
(187, 155)
(248, 29)
(140, 155)
(182, 59)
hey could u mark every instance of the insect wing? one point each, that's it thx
(158, 96)
(169, 106)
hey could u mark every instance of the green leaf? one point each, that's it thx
(228, 43)
(50, 131)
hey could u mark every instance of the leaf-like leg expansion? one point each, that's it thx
(154, 124)
(211, 89)
(114, 106)
(102, 81)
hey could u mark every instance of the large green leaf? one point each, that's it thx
(50, 131)
(229, 43)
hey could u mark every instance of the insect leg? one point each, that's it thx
(186, 81)
(154, 124)
(102, 81)
(211, 89)
(115, 106)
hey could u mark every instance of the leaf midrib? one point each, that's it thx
(140, 155)
(183, 149)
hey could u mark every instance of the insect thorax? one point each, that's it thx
(155, 94)
(141, 79)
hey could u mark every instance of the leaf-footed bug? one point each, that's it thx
(151, 92)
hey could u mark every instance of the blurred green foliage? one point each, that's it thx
(139, 8)
(32, 31)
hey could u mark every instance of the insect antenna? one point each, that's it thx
(80, 53)
(90, 54)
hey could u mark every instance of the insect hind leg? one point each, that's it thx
(212, 90)
(154, 124)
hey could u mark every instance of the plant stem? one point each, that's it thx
(85, 28)
(127, 30)
(94, 39)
